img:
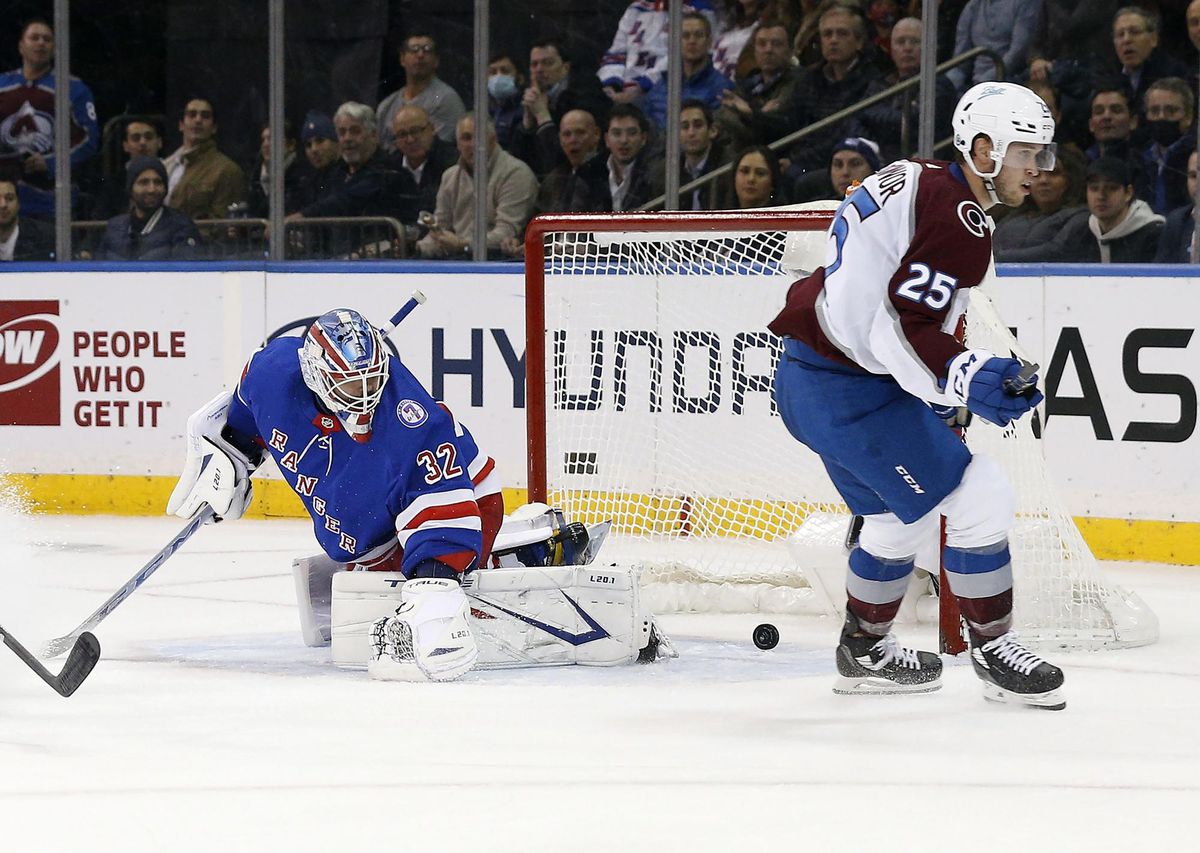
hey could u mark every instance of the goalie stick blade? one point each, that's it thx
(79, 664)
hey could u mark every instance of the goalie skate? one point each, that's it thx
(880, 665)
(1013, 675)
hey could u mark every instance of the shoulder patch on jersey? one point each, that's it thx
(411, 413)
(971, 215)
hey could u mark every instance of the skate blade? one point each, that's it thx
(866, 685)
(1051, 700)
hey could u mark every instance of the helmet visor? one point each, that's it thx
(1040, 158)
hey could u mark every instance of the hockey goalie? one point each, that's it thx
(401, 496)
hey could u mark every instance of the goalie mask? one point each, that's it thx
(344, 362)
(1005, 113)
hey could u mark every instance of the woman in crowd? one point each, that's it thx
(757, 181)
(1055, 199)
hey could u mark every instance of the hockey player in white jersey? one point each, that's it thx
(871, 367)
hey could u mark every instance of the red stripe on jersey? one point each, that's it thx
(462, 509)
(491, 516)
(460, 561)
(484, 471)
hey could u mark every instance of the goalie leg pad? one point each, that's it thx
(429, 638)
(313, 577)
(561, 615)
(519, 617)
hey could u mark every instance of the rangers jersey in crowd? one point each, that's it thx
(901, 253)
(27, 127)
(413, 481)
(638, 54)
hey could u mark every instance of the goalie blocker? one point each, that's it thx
(520, 615)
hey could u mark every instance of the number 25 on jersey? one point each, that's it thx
(928, 286)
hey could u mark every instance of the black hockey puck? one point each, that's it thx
(766, 636)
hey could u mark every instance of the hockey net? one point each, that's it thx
(649, 405)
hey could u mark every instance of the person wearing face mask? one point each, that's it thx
(505, 85)
(1169, 113)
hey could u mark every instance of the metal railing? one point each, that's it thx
(839, 116)
(325, 238)
(346, 238)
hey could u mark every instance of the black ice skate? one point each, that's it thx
(1014, 675)
(869, 664)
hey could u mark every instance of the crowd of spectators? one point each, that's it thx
(562, 137)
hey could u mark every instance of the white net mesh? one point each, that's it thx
(1060, 596)
(660, 417)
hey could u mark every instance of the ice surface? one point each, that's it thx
(208, 726)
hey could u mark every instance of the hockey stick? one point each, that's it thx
(417, 298)
(78, 666)
(57, 646)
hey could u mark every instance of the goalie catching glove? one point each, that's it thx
(992, 387)
(215, 473)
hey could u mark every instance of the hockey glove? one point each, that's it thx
(992, 387)
(954, 416)
(216, 472)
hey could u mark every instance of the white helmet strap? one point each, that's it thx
(989, 182)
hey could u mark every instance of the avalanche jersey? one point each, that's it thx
(27, 127)
(900, 255)
(412, 481)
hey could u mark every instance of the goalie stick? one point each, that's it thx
(75, 638)
(79, 664)
(417, 298)
(57, 646)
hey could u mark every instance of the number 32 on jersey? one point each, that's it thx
(440, 464)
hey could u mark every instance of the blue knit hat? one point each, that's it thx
(861, 145)
(317, 126)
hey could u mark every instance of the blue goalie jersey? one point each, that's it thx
(412, 481)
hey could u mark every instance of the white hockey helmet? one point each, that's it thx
(344, 362)
(1005, 113)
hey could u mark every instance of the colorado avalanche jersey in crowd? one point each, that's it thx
(412, 481)
(27, 127)
(901, 253)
